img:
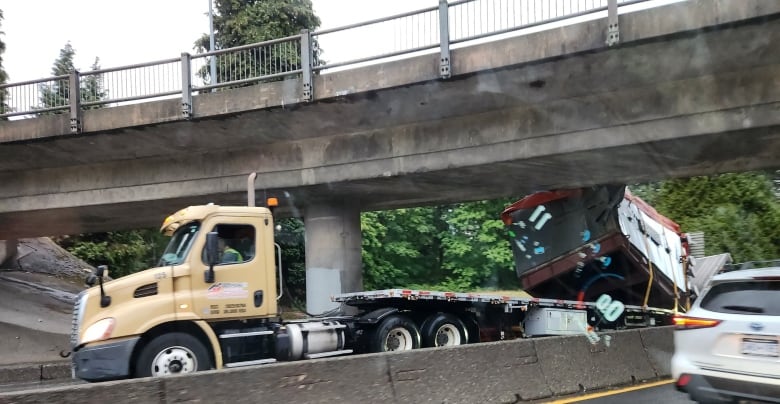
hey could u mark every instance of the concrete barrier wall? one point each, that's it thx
(659, 344)
(501, 372)
(7, 250)
(34, 372)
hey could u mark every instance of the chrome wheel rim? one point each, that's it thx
(174, 360)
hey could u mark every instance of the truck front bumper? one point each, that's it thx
(107, 361)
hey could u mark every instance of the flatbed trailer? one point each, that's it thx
(483, 317)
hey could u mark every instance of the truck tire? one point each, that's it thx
(395, 333)
(444, 329)
(171, 354)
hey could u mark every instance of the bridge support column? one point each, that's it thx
(333, 253)
(7, 250)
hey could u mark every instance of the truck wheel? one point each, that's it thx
(171, 354)
(444, 329)
(395, 333)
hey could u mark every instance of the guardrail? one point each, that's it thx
(296, 56)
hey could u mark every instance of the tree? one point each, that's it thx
(290, 238)
(4, 107)
(124, 252)
(92, 88)
(57, 94)
(738, 213)
(476, 251)
(243, 22)
(454, 247)
(402, 247)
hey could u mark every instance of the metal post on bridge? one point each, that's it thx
(613, 29)
(307, 55)
(186, 86)
(444, 39)
(74, 99)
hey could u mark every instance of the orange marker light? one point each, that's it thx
(272, 202)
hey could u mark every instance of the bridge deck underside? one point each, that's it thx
(687, 104)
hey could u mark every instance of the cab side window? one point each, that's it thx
(236, 243)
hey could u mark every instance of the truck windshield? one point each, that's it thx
(179, 245)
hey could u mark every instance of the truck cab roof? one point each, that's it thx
(200, 212)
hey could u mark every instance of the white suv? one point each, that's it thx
(727, 347)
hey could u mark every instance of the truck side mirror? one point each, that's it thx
(212, 255)
(212, 248)
(100, 272)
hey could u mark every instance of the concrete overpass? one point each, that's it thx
(691, 89)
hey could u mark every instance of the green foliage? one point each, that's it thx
(124, 252)
(476, 249)
(648, 192)
(402, 247)
(4, 108)
(243, 22)
(291, 239)
(92, 88)
(457, 247)
(738, 213)
(57, 93)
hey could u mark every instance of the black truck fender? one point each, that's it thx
(376, 316)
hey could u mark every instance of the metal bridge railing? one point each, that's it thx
(42, 96)
(476, 19)
(390, 36)
(247, 64)
(295, 56)
(130, 83)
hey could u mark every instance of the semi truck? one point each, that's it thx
(212, 302)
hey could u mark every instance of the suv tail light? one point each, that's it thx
(683, 380)
(690, 323)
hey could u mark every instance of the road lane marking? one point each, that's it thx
(610, 392)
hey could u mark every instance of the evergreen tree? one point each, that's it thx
(243, 22)
(92, 88)
(57, 94)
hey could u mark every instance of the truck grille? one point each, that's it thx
(78, 315)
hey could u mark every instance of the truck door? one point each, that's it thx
(240, 287)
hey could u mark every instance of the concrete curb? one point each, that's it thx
(34, 372)
(496, 372)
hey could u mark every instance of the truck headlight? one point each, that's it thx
(99, 331)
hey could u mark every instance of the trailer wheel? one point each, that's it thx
(444, 329)
(395, 333)
(171, 354)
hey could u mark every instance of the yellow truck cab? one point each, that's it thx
(128, 320)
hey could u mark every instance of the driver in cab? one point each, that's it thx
(229, 254)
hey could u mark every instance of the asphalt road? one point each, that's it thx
(665, 393)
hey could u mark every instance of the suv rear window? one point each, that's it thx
(744, 297)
